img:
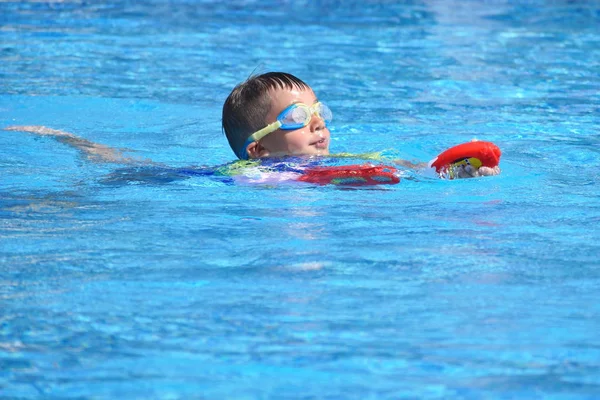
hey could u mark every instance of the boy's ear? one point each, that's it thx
(254, 149)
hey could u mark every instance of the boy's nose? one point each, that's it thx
(316, 123)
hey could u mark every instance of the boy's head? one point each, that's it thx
(275, 114)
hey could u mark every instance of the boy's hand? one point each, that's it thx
(468, 171)
(40, 130)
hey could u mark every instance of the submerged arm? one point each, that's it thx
(94, 151)
(462, 171)
(409, 164)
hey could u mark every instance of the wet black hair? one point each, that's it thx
(246, 108)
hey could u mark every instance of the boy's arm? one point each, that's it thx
(94, 151)
(463, 171)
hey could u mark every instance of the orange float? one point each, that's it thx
(477, 153)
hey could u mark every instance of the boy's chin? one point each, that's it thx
(320, 151)
(300, 154)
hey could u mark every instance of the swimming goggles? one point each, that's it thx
(293, 117)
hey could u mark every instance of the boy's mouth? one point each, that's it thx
(321, 143)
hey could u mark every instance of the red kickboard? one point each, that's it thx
(351, 175)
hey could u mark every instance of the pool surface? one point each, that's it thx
(197, 288)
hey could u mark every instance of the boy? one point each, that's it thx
(270, 115)
(277, 114)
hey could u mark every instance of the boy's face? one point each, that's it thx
(312, 139)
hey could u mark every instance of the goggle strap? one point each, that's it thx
(256, 136)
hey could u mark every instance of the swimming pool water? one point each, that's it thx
(194, 288)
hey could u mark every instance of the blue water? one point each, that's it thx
(194, 288)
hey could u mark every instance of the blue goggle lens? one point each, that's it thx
(299, 115)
